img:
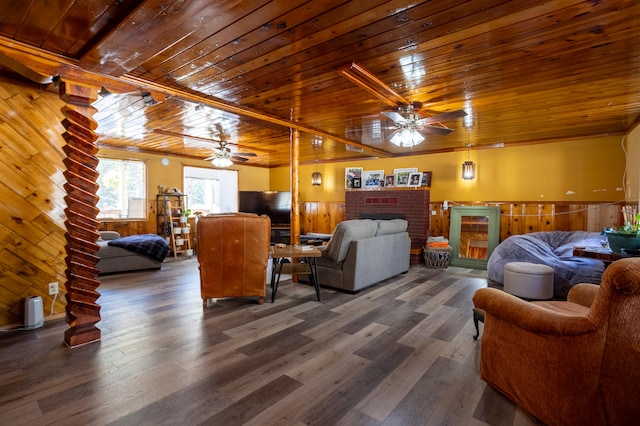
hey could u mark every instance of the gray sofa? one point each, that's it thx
(119, 259)
(364, 252)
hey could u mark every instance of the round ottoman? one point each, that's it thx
(528, 280)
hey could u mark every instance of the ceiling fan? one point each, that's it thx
(410, 124)
(223, 157)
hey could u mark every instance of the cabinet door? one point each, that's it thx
(474, 234)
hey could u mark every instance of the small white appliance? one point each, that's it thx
(33, 312)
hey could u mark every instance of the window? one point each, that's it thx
(123, 189)
(211, 191)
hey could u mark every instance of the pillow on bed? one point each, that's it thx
(108, 235)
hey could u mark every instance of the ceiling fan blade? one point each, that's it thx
(245, 154)
(436, 130)
(210, 140)
(445, 116)
(395, 116)
(241, 159)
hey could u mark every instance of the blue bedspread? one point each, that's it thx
(150, 245)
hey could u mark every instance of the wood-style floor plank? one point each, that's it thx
(398, 353)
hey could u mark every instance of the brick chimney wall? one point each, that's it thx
(412, 203)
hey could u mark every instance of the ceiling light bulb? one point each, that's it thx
(406, 138)
(221, 162)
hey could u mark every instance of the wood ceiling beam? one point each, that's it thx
(46, 63)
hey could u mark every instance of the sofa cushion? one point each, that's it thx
(393, 226)
(347, 231)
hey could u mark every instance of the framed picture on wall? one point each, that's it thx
(357, 183)
(415, 179)
(351, 173)
(373, 178)
(389, 180)
(426, 179)
(402, 175)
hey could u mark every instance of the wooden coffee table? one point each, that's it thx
(281, 265)
(594, 252)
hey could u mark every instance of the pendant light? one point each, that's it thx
(468, 167)
(316, 177)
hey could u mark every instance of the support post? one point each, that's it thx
(82, 310)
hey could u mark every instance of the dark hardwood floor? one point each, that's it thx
(398, 353)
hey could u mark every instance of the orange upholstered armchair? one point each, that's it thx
(233, 253)
(568, 363)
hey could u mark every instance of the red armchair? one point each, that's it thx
(568, 363)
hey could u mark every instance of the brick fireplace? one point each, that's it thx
(411, 203)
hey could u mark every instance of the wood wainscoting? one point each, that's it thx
(515, 217)
(525, 217)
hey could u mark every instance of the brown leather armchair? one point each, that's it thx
(568, 363)
(233, 252)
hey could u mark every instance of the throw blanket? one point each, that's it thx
(150, 245)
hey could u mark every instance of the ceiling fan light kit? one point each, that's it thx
(406, 138)
(222, 161)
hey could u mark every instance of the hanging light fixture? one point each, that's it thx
(316, 177)
(468, 167)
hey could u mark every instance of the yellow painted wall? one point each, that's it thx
(581, 170)
(249, 178)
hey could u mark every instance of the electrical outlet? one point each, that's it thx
(53, 288)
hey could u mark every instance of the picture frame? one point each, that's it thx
(351, 173)
(357, 183)
(389, 180)
(426, 179)
(402, 176)
(373, 178)
(415, 179)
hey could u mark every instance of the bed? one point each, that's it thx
(131, 253)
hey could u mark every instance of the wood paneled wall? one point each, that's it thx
(523, 218)
(515, 218)
(32, 229)
(320, 216)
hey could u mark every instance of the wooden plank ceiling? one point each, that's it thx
(523, 71)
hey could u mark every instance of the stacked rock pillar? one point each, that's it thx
(82, 310)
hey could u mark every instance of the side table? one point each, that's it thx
(306, 254)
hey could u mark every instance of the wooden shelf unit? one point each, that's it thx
(170, 226)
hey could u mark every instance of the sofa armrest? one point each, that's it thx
(109, 235)
(583, 294)
(529, 316)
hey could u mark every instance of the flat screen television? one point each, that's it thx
(275, 204)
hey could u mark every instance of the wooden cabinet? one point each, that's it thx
(172, 225)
